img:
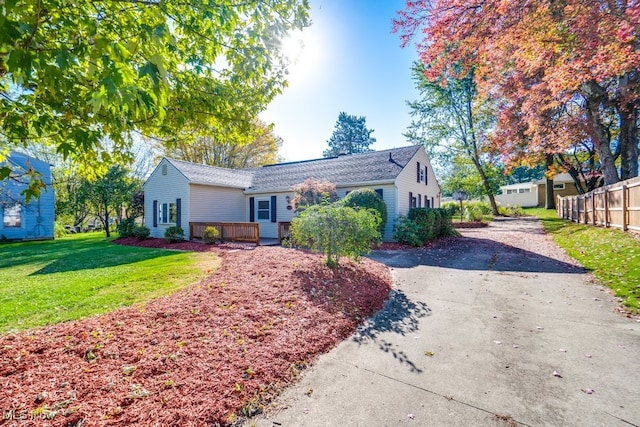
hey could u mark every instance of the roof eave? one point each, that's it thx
(216, 184)
(338, 185)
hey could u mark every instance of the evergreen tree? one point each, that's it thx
(350, 135)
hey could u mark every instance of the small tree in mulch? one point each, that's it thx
(312, 192)
(336, 231)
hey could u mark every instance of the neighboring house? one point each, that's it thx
(22, 220)
(178, 192)
(531, 194)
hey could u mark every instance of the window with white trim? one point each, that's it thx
(421, 175)
(558, 186)
(167, 213)
(524, 190)
(12, 215)
(264, 210)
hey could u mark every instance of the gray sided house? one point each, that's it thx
(177, 192)
(22, 220)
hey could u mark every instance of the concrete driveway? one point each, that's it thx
(499, 328)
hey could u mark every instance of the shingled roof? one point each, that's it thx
(342, 170)
(384, 165)
(212, 175)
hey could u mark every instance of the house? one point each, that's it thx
(22, 220)
(178, 192)
(531, 194)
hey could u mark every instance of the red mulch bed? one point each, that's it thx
(198, 357)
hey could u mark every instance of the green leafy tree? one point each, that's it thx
(452, 120)
(350, 135)
(110, 194)
(462, 175)
(81, 75)
(336, 231)
(250, 146)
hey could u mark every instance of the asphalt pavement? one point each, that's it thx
(499, 328)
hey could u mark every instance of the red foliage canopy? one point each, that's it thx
(553, 68)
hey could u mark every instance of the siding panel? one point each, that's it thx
(220, 204)
(165, 189)
(406, 183)
(37, 217)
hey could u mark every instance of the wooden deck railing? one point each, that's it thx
(283, 231)
(230, 231)
(616, 205)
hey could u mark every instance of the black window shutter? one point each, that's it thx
(155, 213)
(274, 216)
(419, 170)
(426, 176)
(410, 199)
(379, 191)
(179, 212)
(419, 200)
(252, 209)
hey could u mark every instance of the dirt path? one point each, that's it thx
(497, 328)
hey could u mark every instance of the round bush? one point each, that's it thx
(174, 234)
(141, 232)
(126, 226)
(210, 235)
(368, 199)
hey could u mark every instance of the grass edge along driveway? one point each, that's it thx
(611, 255)
(47, 282)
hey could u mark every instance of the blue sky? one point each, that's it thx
(350, 62)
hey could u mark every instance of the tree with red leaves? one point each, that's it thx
(561, 72)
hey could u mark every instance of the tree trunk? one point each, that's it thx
(550, 201)
(629, 143)
(486, 185)
(571, 170)
(595, 97)
(106, 220)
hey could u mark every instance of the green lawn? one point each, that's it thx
(54, 281)
(612, 255)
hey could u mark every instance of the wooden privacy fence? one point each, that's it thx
(231, 231)
(616, 205)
